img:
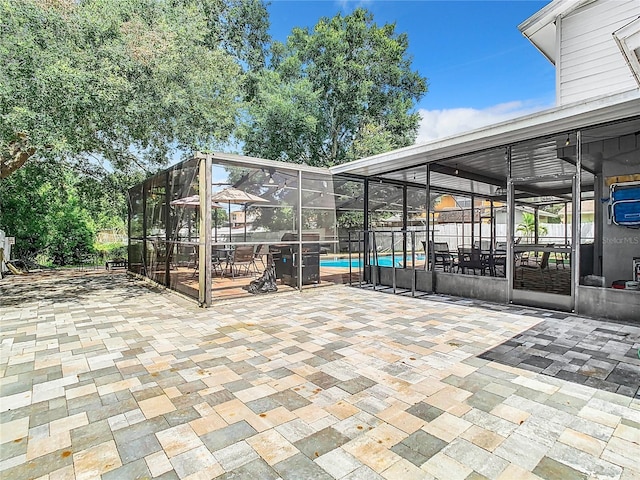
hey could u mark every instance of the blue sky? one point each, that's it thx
(479, 67)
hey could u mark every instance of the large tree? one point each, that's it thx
(333, 88)
(122, 81)
(43, 209)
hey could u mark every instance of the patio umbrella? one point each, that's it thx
(237, 196)
(194, 202)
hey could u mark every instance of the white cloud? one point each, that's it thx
(444, 123)
(350, 5)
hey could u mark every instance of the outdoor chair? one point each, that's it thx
(162, 255)
(531, 271)
(243, 258)
(216, 262)
(498, 263)
(471, 258)
(192, 261)
(441, 253)
(260, 253)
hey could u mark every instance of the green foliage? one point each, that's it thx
(220, 216)
(110, 251)
(555, 209)
(96, 92)
(125, 81)
(528, 226)
(104, 195)
(251, 181)
(371, 140)
(285, 117)
(41, 206)
(350, 220)
(335, 92)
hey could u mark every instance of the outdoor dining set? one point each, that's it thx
(469, 259)
(234, 261)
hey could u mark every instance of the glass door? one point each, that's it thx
(541, 250)
(543, 180)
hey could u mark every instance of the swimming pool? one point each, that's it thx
(383, 261)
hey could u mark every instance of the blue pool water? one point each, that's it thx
(355, 263)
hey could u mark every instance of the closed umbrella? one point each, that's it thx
(240, 197)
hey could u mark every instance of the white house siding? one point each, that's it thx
(591, 63)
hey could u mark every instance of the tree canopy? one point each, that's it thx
(334, 93)
(124, 81)
(97, 94)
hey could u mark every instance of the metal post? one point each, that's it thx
(373, 265)
(360, 259)
(300, 230)
(473, 221)
(598, 220)
(492, 227)
(393, 262)
(463, 223)
(244, 238)
(577, 226)
(429, 255)
(144, 230)
(405, 226)
(413, 263)
(365, 228)
(566, 225)
(349, 250)
(204, 239)
(168, 245)
(428, 214)
(536, 235)
(509, 267)
(129, 215)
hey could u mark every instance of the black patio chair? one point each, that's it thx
(471, 258)
(532, 270)
(441, 253)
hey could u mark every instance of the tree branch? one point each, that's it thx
(15, 155)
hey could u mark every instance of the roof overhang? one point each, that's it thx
(566, 118)
(243, 160)
(628, 40)
(540, 28)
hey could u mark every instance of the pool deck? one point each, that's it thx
(104, 376)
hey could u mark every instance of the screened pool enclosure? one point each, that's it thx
(520, 212)
(258, 213)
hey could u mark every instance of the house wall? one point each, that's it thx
(589, 62)
(622, 305)
(619, 244)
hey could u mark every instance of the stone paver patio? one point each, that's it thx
(102, 376)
